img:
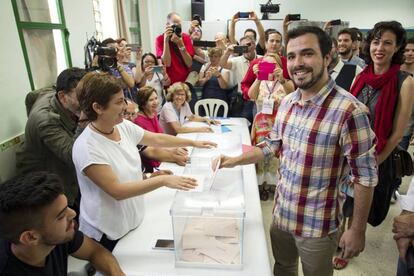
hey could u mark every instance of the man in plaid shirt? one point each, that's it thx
(323, 137)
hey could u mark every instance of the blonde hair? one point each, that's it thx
(215, 51)
(177, 87)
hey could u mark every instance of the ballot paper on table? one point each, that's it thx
(200, 181)
(216, 166)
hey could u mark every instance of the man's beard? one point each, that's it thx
(310, 83)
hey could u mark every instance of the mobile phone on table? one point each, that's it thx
(294, 17)
(244, 14)
(157, 69)
(336, 22)
(133, 47)
(240, 49)
(164, 244)
(265, 69)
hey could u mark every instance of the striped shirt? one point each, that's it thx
(324, 143)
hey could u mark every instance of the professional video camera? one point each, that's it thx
(267, 8)
(106, 56)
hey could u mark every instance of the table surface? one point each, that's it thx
(134, 251)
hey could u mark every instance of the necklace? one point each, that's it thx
(102, 132)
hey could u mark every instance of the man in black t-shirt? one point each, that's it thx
(37, 230)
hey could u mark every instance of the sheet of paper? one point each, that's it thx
(216, 164)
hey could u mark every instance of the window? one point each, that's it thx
(98, 19)
(133, 21)
(44, 39)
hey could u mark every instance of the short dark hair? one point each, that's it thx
(68, 79)
(360, 35)
(96, 87)
(22, 201)
(376, 33)
(325, 42)
(410, 40)
(144, 56)
(352, 33)
(143, 95)
(105, 42)
(251, 30)
(269, 33)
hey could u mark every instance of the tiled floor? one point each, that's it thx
(380, 254)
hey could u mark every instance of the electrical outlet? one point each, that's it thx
(9, 143)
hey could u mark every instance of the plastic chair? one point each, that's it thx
(211, 107)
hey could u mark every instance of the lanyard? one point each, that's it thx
(268, 89)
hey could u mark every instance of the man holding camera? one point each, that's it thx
(175, 49)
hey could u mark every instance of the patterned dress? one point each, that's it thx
(266, 170)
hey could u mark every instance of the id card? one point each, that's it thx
(268, 106)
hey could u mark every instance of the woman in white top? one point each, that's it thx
(146, 76)
(177, 110)
(108, 165)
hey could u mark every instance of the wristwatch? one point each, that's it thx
(182, 48)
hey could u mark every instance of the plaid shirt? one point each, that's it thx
(323, 143)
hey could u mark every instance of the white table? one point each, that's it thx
(134, 251)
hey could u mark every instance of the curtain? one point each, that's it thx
(122, 20)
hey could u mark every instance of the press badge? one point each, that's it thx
(268, 106)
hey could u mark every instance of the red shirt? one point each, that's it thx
(177, 71)
(250, 77)
(150, 124)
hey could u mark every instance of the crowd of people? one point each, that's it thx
(325, 117)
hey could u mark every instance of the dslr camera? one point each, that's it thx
(176, 29)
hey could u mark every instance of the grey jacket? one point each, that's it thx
(49, 137)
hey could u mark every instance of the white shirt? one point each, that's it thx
(407, 201)
(239, 66)
(100, 213)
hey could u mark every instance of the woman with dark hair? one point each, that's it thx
(108, 165)
(146, 75)
(387, 93)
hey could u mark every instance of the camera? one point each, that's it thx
(294, 17)
(269, 8)
(176, 29)
(106, 57)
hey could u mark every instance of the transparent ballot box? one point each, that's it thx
(208, 224)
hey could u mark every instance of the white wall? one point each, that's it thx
(80, 22)
(14, 80)
(360, 13)
(14, 83)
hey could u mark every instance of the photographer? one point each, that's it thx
(175, 49)
(108, 58)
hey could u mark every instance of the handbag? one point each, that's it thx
(402, 163)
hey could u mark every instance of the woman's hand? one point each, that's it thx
(204, 144)
(161, 172)
(180, 182)
(210, 121)
(278, 73)
(147, 72)
(256, 69)
(205, 129)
